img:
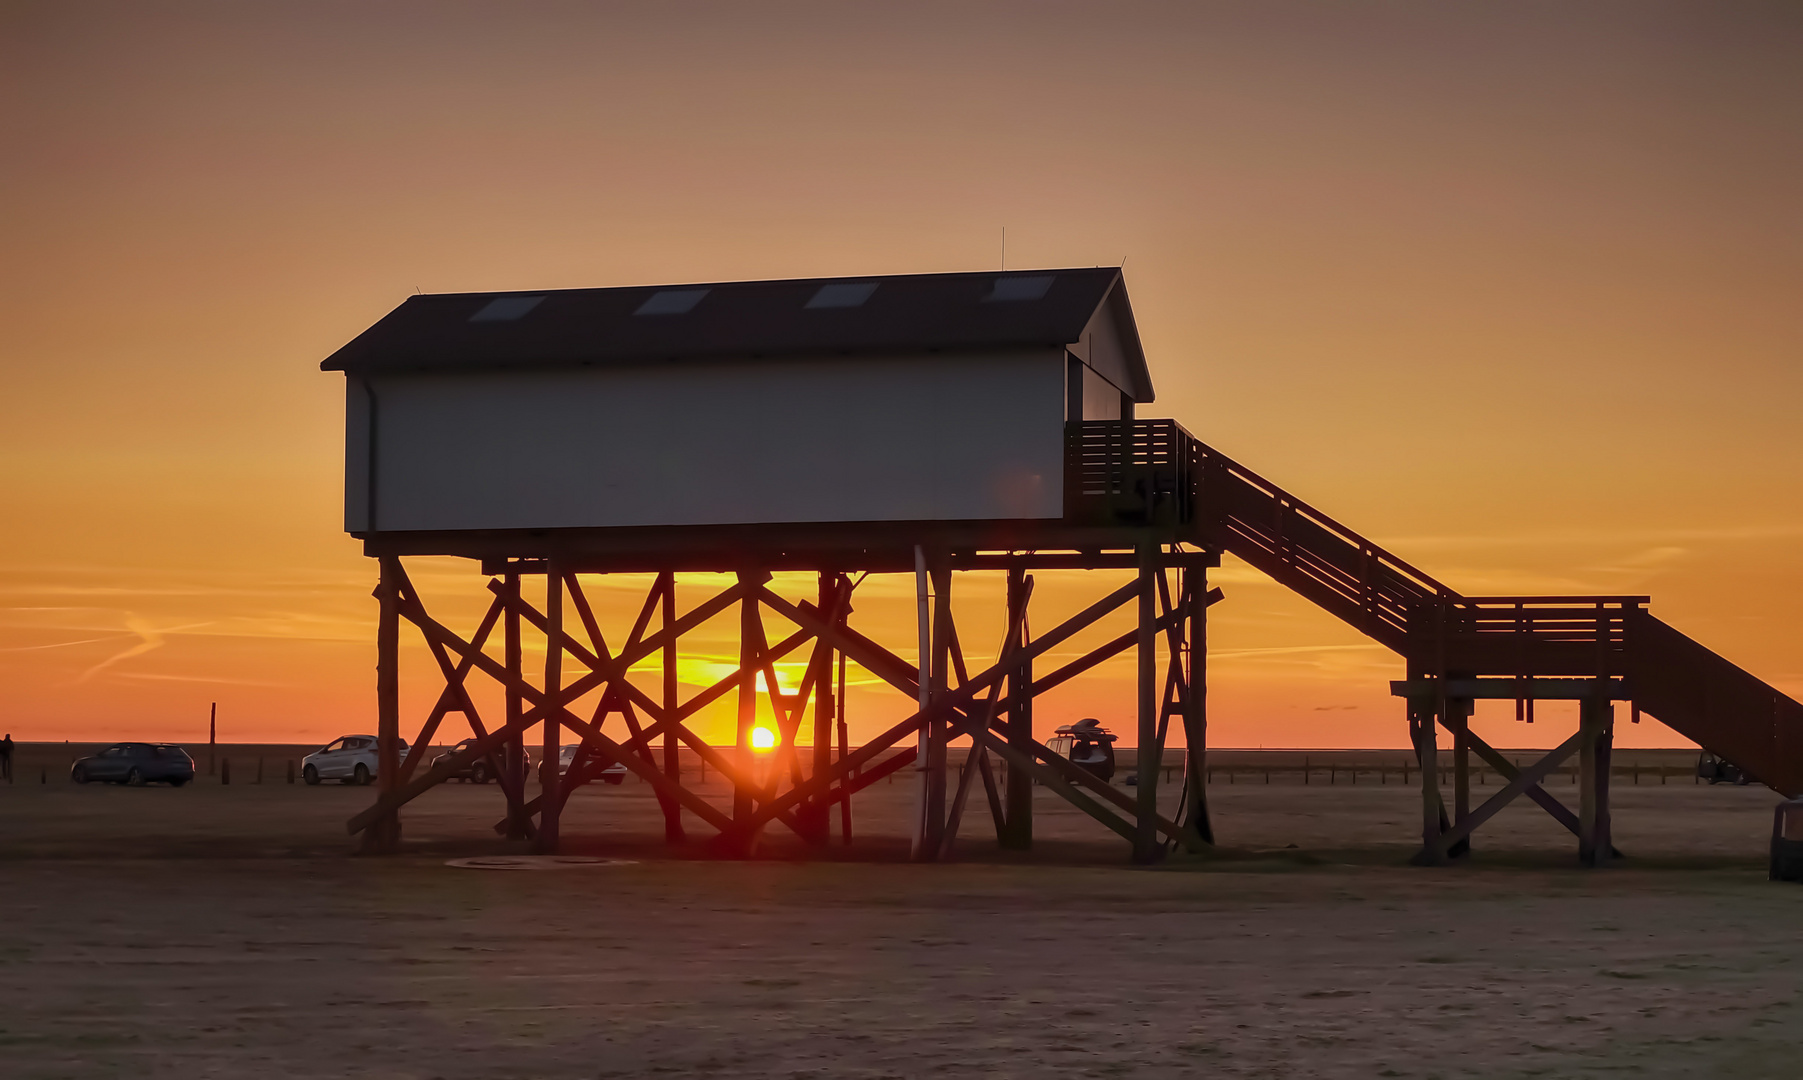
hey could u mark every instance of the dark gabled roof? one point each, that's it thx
(746, 319)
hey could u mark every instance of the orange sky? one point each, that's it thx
(1510, 288)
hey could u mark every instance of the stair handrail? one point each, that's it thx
(1410, 574)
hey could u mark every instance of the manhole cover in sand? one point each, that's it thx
(535, 862)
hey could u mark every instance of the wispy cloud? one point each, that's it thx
(211, 680)
(1287, 649)
(149, 639)
(1402, 544)
(63, 644)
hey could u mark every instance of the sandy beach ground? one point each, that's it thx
(225, 931)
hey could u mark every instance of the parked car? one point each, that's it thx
(136, 763)
(592, 768)
(1719, 770)
(1787, 841)
(482, 769)
(351, 759)
(1088, 745)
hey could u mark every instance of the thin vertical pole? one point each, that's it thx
(937, 750)
(673, 833)
(384, 834)
(513, 753)
(918, 840)
(844, 745)
(550, 749)
(1146, 847)
(212, 737)
(1195, 704)
(1019, 813)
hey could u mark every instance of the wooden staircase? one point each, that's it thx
(1152, 472)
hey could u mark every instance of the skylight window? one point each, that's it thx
(1025, 287)
(671, 302)
(506, 308)
(842, 294)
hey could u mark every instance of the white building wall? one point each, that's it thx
(940, 437)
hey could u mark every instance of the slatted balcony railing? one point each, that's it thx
(1128, 472)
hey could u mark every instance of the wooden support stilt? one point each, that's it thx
(1146, 846)
(1605, 754)
(383, 835)
(749, 632)
(985, 706)
(1194, 595)
(1458, 720)
(1018, 812)
(1461, 759)
(1596, 722)
(1427, 754)
(551, 745)
(513, 759)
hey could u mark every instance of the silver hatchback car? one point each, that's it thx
(351, 759)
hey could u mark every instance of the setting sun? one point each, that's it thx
(762, 738)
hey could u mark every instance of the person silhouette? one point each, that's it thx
(6, 757)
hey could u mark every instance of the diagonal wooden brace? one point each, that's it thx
(433, 630)
(1544, 798)
(1523, 780)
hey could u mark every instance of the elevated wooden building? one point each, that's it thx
(927, 424)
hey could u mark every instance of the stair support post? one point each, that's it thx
(1461, 759)
(1597, 731)
(1427, 753)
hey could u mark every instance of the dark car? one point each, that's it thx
(136, 763)
(482, 769)
(1719, 770)
(1787, 841)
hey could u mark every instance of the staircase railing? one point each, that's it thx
(1309, 551)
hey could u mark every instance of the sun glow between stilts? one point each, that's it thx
(762, 738)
